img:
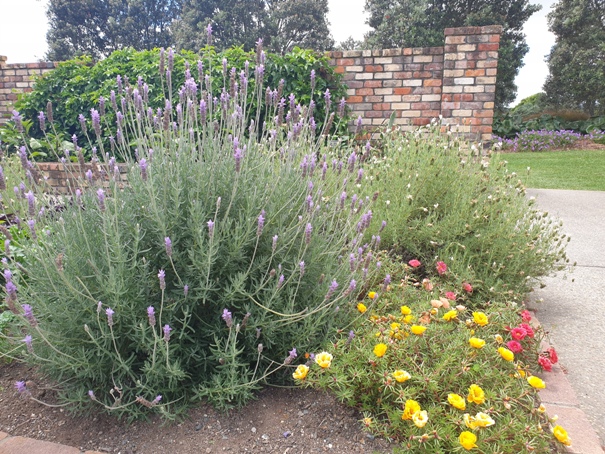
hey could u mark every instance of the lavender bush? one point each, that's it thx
(545, 140)
(233, 246)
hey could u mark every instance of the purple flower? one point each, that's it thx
(32, 228)
(331, 289)
(312, 79)
(237, 155)
(328, 99)
(227, 318)
(42, 120)
(185, 290)
(359, 176)
(82, 121)
(341, 107)
(274, 245)
(28, 343)
(157, 399)
(209, 33)
(101, 199)
(167, 330)
(291, 355)
(210, 228)
(280, 281)
(301, 265)
(91, 394)
(17, 118)
(168, 244)
(351, 162)
(88, 174)
(387, 281)
(143, 167)
(308, 230)
(8, 276)
(7, 245)
(261, 224)
(383, 225)
(20, 385)
(31, 203)
(358, 123)
(162, 278)
(109, 312)
(151, 315)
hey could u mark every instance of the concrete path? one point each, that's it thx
(572, 305)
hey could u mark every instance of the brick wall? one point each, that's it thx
(17, 78)
(66, 178)
(456, 81)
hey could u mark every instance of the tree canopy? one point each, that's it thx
(577, 60)
(282, 24)
(420, 23)
(98, 27)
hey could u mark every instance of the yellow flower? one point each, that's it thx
(380, 350)
(408, 319)
(506, 354)
(395, 326)
(367, 421)
(450, 315)
(411, 407)
(324, 359)
(536, 382)
(498, 338)
(476, 394)
(561, 435)
(483, 420)
(456, 401)
(301, 372)
(467, 440)
(401, 375)
(475, 342)
(405, 310)
(480, 318)
(418, 330)
(541, 408)
(372, 295)
(420, 418)
(479, 420)
(520, 373)
(362, 308)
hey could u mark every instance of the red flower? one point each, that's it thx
(514, 346)
(441, 268)
(468, 288)
(552, 354)
(450, 296)
(528, 329)
(526, 316)
(414, 263)
(518, 333)
(545, 363)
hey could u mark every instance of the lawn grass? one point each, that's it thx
(573, 169)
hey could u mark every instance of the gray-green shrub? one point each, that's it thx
(233, 244)
(444, 200)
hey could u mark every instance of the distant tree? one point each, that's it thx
(576, 62)
(98, 27)
(420, 23)
(351, 44)
(282, 24)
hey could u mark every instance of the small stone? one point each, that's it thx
(198, 427)
(253, 430)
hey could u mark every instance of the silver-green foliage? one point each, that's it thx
(232, 242)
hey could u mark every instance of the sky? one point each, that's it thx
(23, 26)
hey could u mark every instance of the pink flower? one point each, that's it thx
(441, 268)
(427, 285)
(518, 333)
(514, 346)
(528, 329)
(552, 355)
(450, 296)
(545, 363)
(468, 288)
(414, 263)
(526, 316)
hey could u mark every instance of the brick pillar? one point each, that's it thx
(4, 91)
(469, 79)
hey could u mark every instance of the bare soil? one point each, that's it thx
(279, 421)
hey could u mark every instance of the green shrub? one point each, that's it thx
(413, 346)
(444, 201)
(229, 248)
(76, 86)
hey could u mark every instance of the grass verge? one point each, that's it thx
(573, 169)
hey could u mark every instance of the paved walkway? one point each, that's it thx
(572, 309)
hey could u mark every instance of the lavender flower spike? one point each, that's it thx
(162, 278)
(143, 167)
(168, 243)
(186, 290)
(211, 228)
(101, 199)
(91, 394)
(167, 330)
(28, 343)
(227, 318)
(151, 315)
(109, 312)
(261, 224)
(20, 385)
(332, 289)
